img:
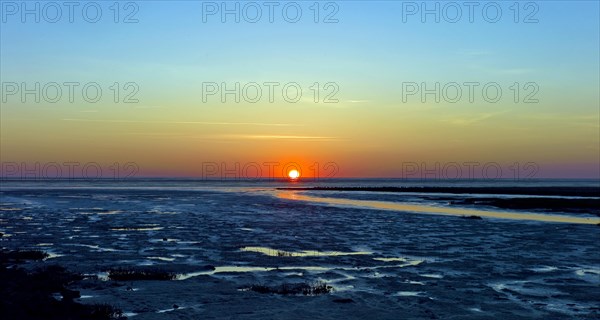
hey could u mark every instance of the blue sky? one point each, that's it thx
(369, 53)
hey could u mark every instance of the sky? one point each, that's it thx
(354, 74)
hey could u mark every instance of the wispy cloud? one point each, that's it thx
(191, 122)
(283, 137)
(234, 137)
(357, 101)
(466, 121)
(581, 120)
(595, 117)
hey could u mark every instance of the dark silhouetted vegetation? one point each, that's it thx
(294, 289)
(105, 311)
(343, 300)
(132, 274)
(19, 255)
(284, 254)
(29, 295)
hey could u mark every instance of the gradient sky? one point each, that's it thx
(369, 53)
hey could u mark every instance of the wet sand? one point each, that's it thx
(381, 263)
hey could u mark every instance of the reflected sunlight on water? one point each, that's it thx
(394, 206)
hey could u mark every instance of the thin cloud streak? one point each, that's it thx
(357, 101)
(284, 137)
(192, 122)
(473, 120)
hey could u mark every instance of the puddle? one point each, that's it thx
(95, 247)
(161, 258)
(102, 276)
(408, 293)
(391, 259)
(52, 255)
(525, 288)
(583, 272)
(591, 275)
(407, 262)
(241, 269)
(136, 229)
(544, 269)
(169, 310)
(154, 211)
(305, 253)
(110, 212)
(163, 240)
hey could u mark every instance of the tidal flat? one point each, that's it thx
(177, 252)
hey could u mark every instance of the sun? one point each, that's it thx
(294, 174)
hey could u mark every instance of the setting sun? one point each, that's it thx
(293, 174)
